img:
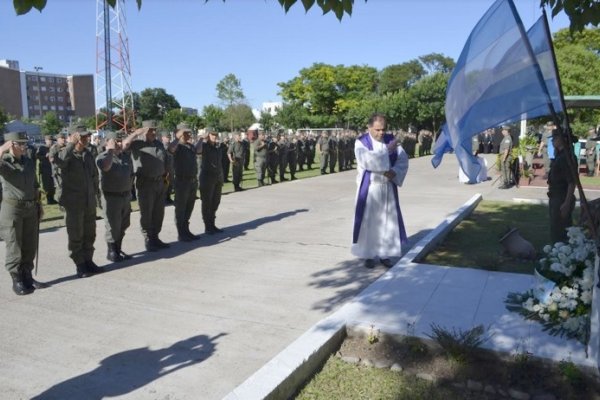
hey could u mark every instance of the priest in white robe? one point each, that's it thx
(382, 165)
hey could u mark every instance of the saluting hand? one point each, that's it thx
(6, 146)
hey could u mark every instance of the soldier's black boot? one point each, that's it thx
(83, 271)
(93, 268)
(150, 245)
(183, 235)
(19, 285)
(121, 252)
(31, 283)
(160, 244)
(189, 233)
(261, 183)
(112, 253)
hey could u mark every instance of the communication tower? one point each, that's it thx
(114, 96)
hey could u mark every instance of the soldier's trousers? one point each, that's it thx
(260, 166)
(546, 159)
(237, 169)
(324, 162)
(283, 161)
(185, 199)
(18, 229)
(272, 165)
(506, 174)
(81, 230)
(590, 162)
(341, 161)
(151, 199)
(292, 165)
(210, 194)
(116, 210)
(558, 224)
(332, 161)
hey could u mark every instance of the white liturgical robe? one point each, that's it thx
(379, 231)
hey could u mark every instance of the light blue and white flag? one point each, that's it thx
(497, 79)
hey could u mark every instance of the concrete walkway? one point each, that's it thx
(195, 321)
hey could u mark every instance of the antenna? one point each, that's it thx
(114, 96)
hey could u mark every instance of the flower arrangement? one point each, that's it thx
(561, 299)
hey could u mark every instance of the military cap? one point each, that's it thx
(549, 124)
(48, 137)
(15, 136)
(165, 134)
(81, 129)
(210, 129)
(506, 127)
(149, 124)
(184, 127)
(63, 133)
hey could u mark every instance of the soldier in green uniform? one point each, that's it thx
(301, 151)
(272, 159)
(61, 138)
(116, 179)
(590, 151)
(78, 198)
(20, 212)
(166, 141)
(151, 176)
(292, 157)
(45, 169)
(260, 158)
(543, 149)
(211, 181)
(561, 189)
(236, 153)
(333, 145)
(505, 157)
(282, 152)
(341, 151)
(185, 162)
(323, 149)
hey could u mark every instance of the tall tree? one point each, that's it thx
(172, 118)
(212, 116)
(267, 121)
(436, 62)
(429, 96)
(229, 91)
(155, 103)
(51, 124)
(240, 114)
(400, 76)
(292, 116)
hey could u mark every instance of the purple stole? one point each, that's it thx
(363, 191)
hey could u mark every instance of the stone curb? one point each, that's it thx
(281, 377)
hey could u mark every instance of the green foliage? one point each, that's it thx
(229, 90)
(212, 116)
(51, 124)
(570, 371)
(237, 117)
(580, 13)
(172, 118)
(429, 97)
(267, 121)
(459, 345)
(436, 62)
(195, 121)
(149, 101)
(400, 76)
(293, 116)
(373, 336)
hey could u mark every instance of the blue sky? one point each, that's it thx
(187, 46)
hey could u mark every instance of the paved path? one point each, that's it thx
(196, 320)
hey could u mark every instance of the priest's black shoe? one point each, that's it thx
(369, 263)
(387, 262)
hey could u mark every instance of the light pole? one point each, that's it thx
(37, 70)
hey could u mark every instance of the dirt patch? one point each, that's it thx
(481, 375)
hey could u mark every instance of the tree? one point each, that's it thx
(580, 13)
(4, 118)
(51, 124)
(155, 103)
(172, 118)
(237, 117)
(267, 121)
(292, 116)
(400, 76)
(436, 62)
(229, 91)
(212, 116)
(195, 121)
(429, 97)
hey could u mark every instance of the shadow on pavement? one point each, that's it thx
(130, 370)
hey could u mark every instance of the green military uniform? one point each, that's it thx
(237, 153)
(52, 156)
(292, 157)
(260, 160)
(333, 145)
(301, 151)
(311, 150)
(272, 159)
(185, 165)
(79, 194)
(19, 215)
(170, 190)
(590, 152)
(282, 153)
(323, 144)
(115, 184)
(559, 179)
(150, 165)
(45, 170)
(506, 145)
(341, 152)
(211, 183)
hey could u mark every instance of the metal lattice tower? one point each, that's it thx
(114, 96)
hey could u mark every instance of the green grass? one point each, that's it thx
(474, 243)
(340, 380)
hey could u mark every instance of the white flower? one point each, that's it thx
(586, 297)
(547, 249)
(552, 307)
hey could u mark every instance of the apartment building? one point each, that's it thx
(34, 93)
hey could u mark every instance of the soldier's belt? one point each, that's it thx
(21, 203)
(150, 178)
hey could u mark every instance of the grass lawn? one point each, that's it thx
(474, 243)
